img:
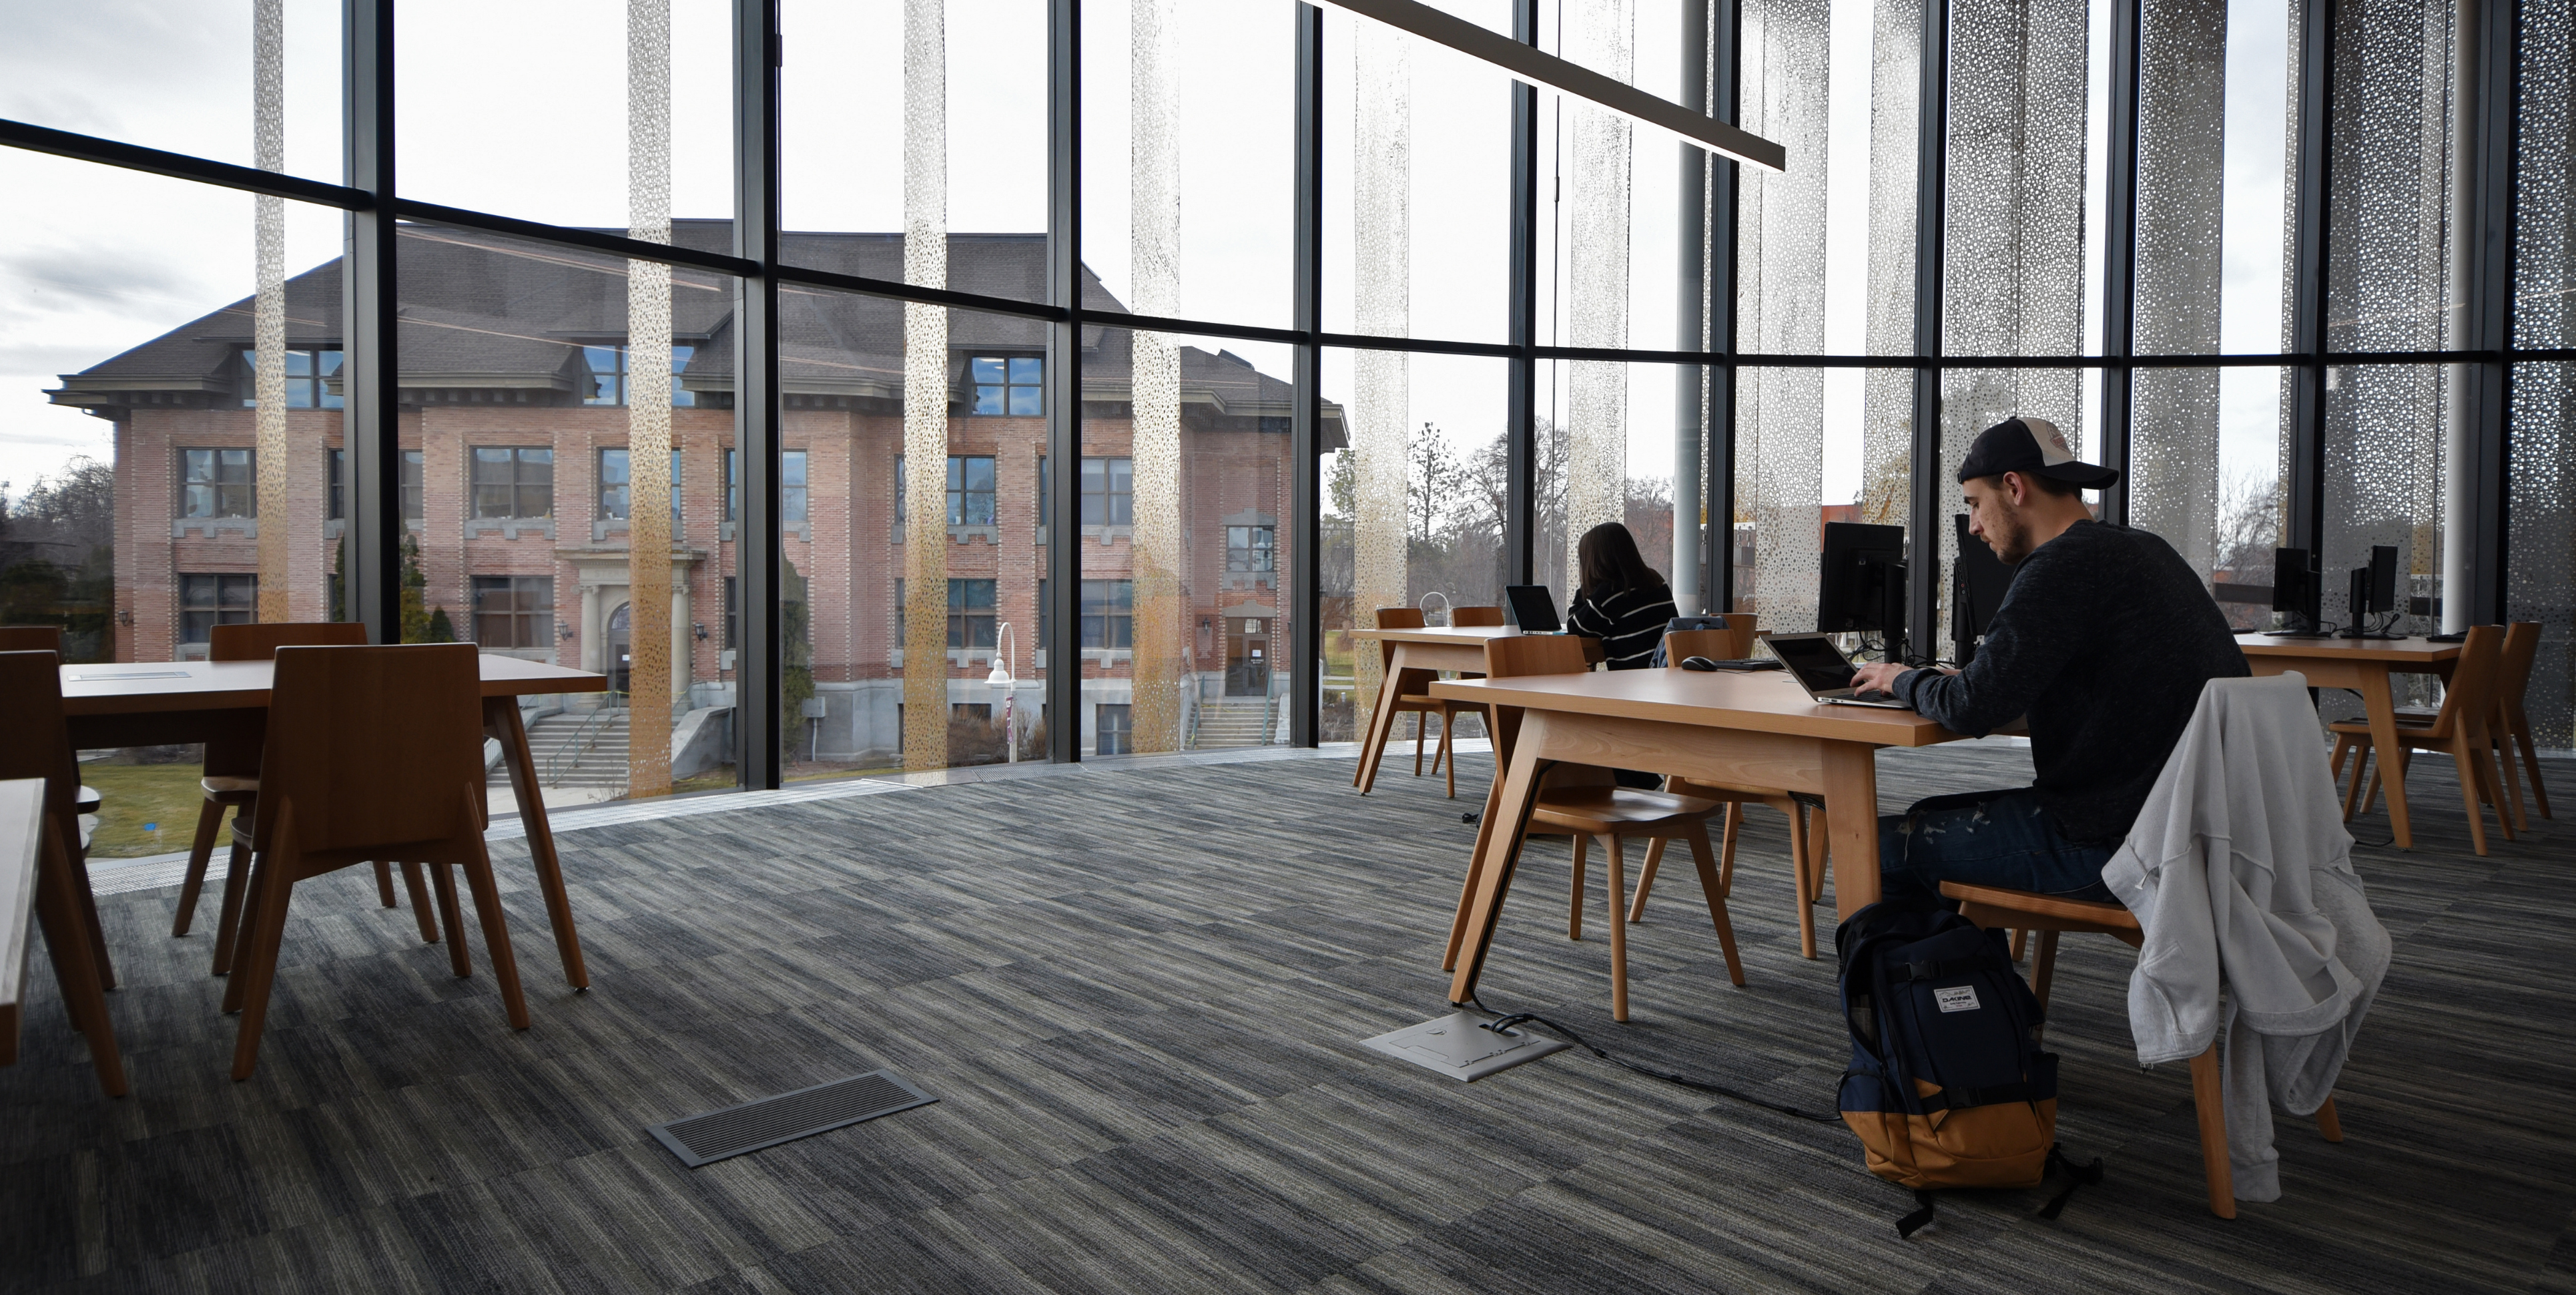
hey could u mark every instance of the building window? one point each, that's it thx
(514, 611)
(1108, 492)
(511, 481)
(1108, 613)
(411, 474)
(1045, 495)
(1011, 385)
(970, 615)
(614, 474)
(410, 471)
(336, 463)
(1112, 730)
(1046, 615)
(608, 376)
(308, 379)
(901, 621)
(733, 612)
(970, 490)
(791, 487)
(1248, 549)
(219, 483)
(206, 601)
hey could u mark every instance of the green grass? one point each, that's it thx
(131, 795)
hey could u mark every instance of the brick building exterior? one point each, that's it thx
(514, 431)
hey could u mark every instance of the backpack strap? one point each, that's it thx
(1990, 1095)
(2076, 1175)
(1937, 969)
(1906, 1227)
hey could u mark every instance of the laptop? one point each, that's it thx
(1533, 609)
(1823, 670)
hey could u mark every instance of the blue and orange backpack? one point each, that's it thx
(1948, 1085)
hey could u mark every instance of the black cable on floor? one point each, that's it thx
(1502, 1024)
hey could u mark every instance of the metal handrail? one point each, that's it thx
(583, 741)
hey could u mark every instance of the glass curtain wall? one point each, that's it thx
(916, 165)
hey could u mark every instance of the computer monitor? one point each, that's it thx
(2383, 578)
(1533, 608)
(1862, 585)
(2296, 591)
(1978, 581)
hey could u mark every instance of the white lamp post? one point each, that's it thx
(1001, 678)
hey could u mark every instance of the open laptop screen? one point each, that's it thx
(1818, 663)
(1533, 609)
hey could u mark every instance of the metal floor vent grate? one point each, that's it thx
(716, 1135)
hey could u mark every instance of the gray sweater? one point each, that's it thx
(2104, 642)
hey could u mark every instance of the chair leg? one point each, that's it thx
(2043, 968)
(2502, 751)
(420, 903)
(2361, 773)
(1697, 838)
(442, 876)
(2208, 1096)
(1646, 878)
(496, 927)
(1726, 846)
(1820, 852)
(1574, 912)
(1798, 838)
(242, 922)
(2328, 1123)
(272, 885)
(2490, 787)
(384, 884)
(1421, 721)
(2334, 763)
(2020, 943)
(2531, 765)
(1614, 883)
(201, 851)
(237, 881)
(1448, 751)
(2470, 794)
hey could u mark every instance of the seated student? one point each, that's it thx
(2104, 642)
(1622, 602)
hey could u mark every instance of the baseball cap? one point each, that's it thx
(2035, 447)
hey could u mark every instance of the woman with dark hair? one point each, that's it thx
(1623, 602)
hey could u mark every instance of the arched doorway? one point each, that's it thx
(620, 633)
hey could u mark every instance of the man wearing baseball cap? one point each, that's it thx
(2103, 641)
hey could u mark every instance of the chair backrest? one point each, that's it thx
(261, 642)
(1533, 654)
(1476, 617)
(2513, 668)
(39, 743)
(1682, 645)
(2470, 697)
(31, 638)
(1399, 618)
(375, 746)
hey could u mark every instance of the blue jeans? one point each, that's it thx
(1988, 838)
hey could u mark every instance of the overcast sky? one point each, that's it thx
(518, 106)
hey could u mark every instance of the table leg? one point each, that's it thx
(501, 720)
(1851, 821)
(1505, 829)
(2384, 743)
(1506, 728)
(1381, 722)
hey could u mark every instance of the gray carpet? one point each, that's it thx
(1138, 995)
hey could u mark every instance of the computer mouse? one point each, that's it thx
(1698, 663)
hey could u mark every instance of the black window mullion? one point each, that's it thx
(371, 412)
(2120, 250)
(757, 542)
(1305, 429)
(1717, 493)
(1063, 378)
(1520, 399)
(2315, 90)
(1931, 185)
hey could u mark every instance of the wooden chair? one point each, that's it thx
(231, 780)
(1806, 840)
(371, 753)
(1462, 618)
(2459, 730)
(49, 638)
(1996, 908)
(1577, 800)
(2508, 725)
(39, 746)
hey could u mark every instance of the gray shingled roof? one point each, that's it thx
(481, 311)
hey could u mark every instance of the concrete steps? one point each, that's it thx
(1232, 722)
(577, 749)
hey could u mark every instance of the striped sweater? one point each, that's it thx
(1629, 623)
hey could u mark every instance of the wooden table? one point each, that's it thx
(133, 703)
(2362, 665)
(1757, 729)
(22, 814)
(1422, 654)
